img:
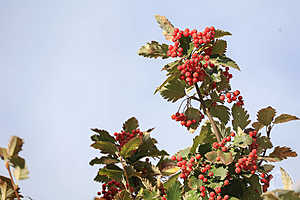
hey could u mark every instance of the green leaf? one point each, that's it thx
(263, 144)
(131, 124)
(219, 172)
(102, 135)
(286, 180)
(148, 194)
(166, 26)
(192, 195)
(171, 181)
(219, 47)
(284, 118)
(196, 142)
(240, 117)
(21, 173)
(221, 112)
(281, 195)
(221, 33)
(173, 90)
(184, 152)
(225, 157)
(174, 191)
(194, 183)
(206, 134)
(104, 160)
(101, 178)
(243, 140)
(266, 168)
(132, 144)
(111, 173)
(14, 146)
(266, 115)
(224, 61)
(282, 153)
(154, 50)
(105, 147)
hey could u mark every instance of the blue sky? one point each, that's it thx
(68, 66)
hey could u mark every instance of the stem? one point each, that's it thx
(206, 110)
(126, 175)
(12, 180)
(268, 130)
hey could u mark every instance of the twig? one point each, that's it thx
(206, 110)
(12, 180)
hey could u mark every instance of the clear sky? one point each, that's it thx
(70, 65)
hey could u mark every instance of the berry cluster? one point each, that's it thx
(227, 74)
(192, 71)
(198, 38)
(110, 189)
(247, 163)
(183, 119)
(266, 181)
(124, 137)
(188, 165)
(233, 97)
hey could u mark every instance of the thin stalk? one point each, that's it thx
(206, 110)
(12, 180)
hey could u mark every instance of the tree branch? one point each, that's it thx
(206, 110)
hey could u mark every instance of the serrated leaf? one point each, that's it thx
(101, 178)
(284, 118)
(21, 173)
(266, 115)
(103, 160)
(263, 144)
(286, 180)
(168, 167)
(194, 183)
(281, 195)
(171, 180)
(243, 140)
(221, 33)
(266, 168)
(174, 191)
(131, 124)
(224, 84)
(257, 126)
(102, 135)
(111, 173)
(225, 157)
(149, 195)
(224, 61)
(154, 50)
(282, 153)
(173, 90)
(219, 47)
(219, 172)
(240, 117)
(105, 147)
(221, 112)
(14, 146)
(196, 142)
(132, 144)
(166, 26)
(206, 134)
(192, 195)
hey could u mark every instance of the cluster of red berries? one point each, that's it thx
(206, 173)
(124, 137)
(192, 71)
(265, 179)
(198, 38)
(227, 74)
(247, 163)
(110, 189)
(183, 119)
(233, 97)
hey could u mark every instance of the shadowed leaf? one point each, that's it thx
(284, 118)
(130, 124)
(166, 26)
(154, 50)
(266, 115)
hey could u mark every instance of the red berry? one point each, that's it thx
(228, 95)
(236, 93)
(198, 156)
(232, 134)
(222, 97)
(173, 158)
